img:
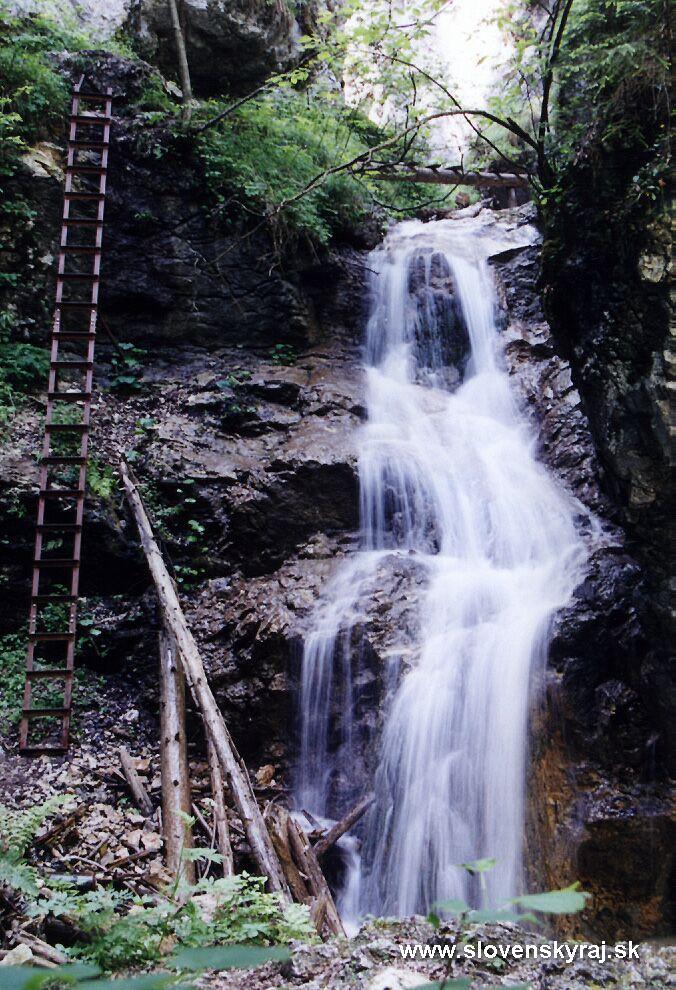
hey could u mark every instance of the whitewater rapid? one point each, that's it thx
(448, 474)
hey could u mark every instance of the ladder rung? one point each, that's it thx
(57, 599)
(51, 673)
(76, 304)
(69, 396)
(51, 637)
(36, 750)
(83, 222)
(73, 335)
(59, 527)
(78, 277)
(62, 493)
(89, 97)
(60, 562)
(87, 143)
(75, 365)
(63, 459)
(85, 196)
(81, 248)
(44, 712)
(93, 118)
(65, 427)
(86, 169)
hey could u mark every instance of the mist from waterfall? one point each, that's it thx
(448, 476)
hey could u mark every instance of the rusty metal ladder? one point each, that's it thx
(63, 466)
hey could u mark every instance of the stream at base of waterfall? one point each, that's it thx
(448, 474)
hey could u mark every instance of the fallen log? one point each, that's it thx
(343, 826)
(235, 771)
(174, 761)
(448, 177)
(220, 814)
(308, 864)
(43, 953)
(138, 791)
(278, 826)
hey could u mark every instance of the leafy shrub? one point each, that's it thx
(261, 156)
(17, 829)
(127, 367)
(283, 354)
(22, 368)
(125, 931)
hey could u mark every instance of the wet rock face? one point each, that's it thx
(596, 734)
(607, 298)
(432, 290)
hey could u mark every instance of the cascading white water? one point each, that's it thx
(448, 474)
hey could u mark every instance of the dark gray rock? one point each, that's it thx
(232, 45)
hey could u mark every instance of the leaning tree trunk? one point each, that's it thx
(183, 70)
(238, 778)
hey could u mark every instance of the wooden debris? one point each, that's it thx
(344, 825)
(308, 864)
(220, 813)
(233, 767)
(43, 953)
(278, 825)
(138, 791)
(60, 828)
(174, 760)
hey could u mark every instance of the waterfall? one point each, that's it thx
(448, 476)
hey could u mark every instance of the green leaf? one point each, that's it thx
(485, 916)
(570, 900)
(147, 981)
(452, 906)
(229, 957)
(191, 855)
(31, 978)
(478, 865)
(23, 977)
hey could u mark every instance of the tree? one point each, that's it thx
(183, 70)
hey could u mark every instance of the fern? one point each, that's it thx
(17, 829)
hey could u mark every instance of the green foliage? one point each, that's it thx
(12, 676)
(570, 900)
(101, 480)
(613, 73)
(82, 976)
(124, 931)
(609, 83)
(127, 367)
(22, 368)
(274, 158)
(52, 618)
(267, 151)
(283, 354)
(17, 829)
